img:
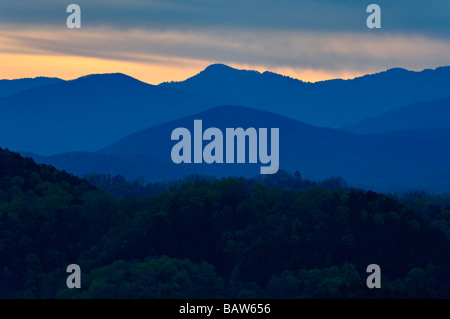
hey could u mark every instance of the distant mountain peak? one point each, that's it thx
(102, 75)
(397, 70)
(218, 67)
(115, 77)
(221, 71)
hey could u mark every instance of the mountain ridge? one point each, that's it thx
(425, 115)
(324, 103)
(87, 113)
(379, 162)
(91, 112)
(9, 87)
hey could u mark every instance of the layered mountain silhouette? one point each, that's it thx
(386, 162)
(332, 103)
(48, 116)
(88, 113)
(428, 115)
(8, 87)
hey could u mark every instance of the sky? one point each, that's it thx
(170, 40)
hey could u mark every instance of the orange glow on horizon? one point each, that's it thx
(154, 56)
(17, 66)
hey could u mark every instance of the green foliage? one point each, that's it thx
(279, 237)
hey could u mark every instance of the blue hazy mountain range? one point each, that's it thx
(332, 103)
(419, 116)
(389, 161)
(8, 87)
(49, 116)
(88, 113)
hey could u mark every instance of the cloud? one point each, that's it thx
(319, 36)
(273, 49)
(399, 16)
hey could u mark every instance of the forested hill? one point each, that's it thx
(202, 238)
